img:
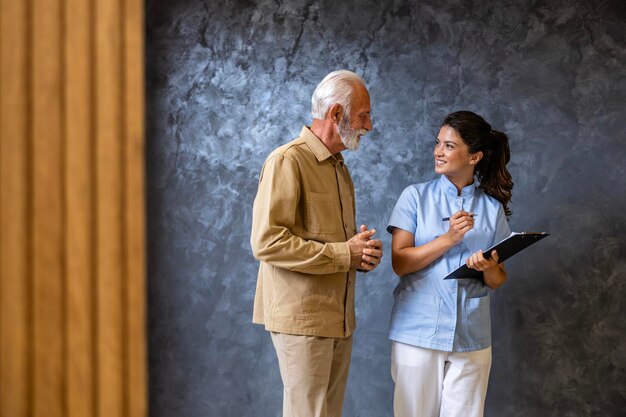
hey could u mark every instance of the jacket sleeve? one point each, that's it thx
(273, 220)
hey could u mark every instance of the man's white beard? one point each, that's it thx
(349, 136)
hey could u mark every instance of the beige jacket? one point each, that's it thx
(303, 214)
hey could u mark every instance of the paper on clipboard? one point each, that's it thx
(508, 247)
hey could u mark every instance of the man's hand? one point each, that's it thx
(365, 252)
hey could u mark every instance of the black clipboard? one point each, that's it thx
(508, 247)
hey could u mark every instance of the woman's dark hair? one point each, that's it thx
(494, 178)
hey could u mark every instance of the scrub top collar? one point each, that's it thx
(450, 189)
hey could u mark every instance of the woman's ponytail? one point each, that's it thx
(491, 171)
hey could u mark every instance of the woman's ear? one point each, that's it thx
(476, 157)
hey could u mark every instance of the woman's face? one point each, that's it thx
(452, 156)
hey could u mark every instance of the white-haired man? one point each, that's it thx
(304, 235)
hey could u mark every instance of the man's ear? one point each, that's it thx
(476, 157)
(335, 113)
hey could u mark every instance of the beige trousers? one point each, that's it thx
(314, 371)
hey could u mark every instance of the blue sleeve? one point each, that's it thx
(404, 215)
(502, 226)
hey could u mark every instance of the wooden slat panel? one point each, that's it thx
(14, 190)
(136, 375)
(72, 283)
(109, 209)
(48, 219)
(79, 183)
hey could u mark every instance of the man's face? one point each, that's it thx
(358, 122)
(349, 137)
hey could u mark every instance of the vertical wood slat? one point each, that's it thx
(79, 184)
(109, 209)
(48, 218)
(72, 289)
(14, 201)
(135, 291)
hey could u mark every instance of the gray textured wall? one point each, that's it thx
(229, 81)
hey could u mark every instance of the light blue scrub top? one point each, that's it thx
(430, 312)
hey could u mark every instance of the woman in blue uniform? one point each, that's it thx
(441, 329)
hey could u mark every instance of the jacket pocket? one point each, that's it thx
(322, 213)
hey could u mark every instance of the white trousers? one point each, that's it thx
(433, 383)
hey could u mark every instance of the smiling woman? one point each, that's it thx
(489, 153)
(453, 159)
(424, 250)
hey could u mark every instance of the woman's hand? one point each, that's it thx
(493, 273)
(461, 222)
(478, 261)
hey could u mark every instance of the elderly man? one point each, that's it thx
(304, 235)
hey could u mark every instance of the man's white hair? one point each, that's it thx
(335, 88)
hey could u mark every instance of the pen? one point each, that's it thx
(445, 219)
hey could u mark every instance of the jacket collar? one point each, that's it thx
(318, 148)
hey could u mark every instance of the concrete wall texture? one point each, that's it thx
(229, 81)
